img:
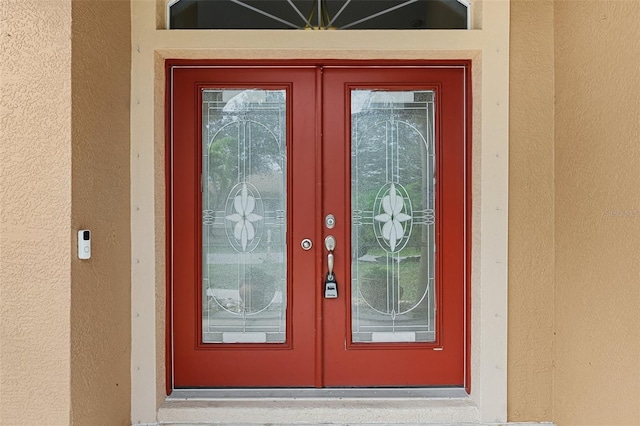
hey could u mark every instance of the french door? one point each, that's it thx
(318, 225)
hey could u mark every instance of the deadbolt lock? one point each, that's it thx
(330, 221)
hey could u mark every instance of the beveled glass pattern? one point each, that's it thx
(393, 216)
(243, 216)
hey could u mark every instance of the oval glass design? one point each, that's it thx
(393, 216)
(244, 268)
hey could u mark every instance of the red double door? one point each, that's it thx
(264, 163)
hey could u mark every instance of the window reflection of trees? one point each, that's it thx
(244, 146)
(393, 137)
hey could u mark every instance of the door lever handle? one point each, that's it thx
(330, 264)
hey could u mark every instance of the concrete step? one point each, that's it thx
(357, 407)
(319, 411)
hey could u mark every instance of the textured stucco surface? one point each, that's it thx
(35, 210)
(597, 214)
(574, 207)
(531, 238)
(101, 286)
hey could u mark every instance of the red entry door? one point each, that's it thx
(265, 163)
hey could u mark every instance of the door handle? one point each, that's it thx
(330, 285)
(330, 242)
(330, 264)
(330, 245)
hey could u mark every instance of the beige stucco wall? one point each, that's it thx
(101, 286)
(597, 214)
(65, 323)
(574, 207)
(35, 211)
(574, 220)
(531, 230)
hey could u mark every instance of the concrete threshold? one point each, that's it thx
(319, 406)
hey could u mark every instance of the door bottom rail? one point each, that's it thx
(316, 393)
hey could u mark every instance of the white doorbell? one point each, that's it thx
(84, 244)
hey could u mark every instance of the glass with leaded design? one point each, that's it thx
(244, 265)
(393, 216)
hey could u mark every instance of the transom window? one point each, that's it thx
(318, 14)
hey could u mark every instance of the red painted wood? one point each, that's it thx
(318, 351)
(319, 363)
(369, 364)
(197, 364)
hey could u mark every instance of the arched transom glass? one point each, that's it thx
(318, 14)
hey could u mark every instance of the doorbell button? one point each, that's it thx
(84, 244)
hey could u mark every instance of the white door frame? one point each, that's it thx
(488, 48)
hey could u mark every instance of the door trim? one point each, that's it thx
(487, 45)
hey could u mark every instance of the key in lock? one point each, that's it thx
(330, 287)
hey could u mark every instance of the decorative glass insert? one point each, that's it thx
(318, 14)
(244, 216)
(393, 216)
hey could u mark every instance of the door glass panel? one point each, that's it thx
(393, 216)
(244, 216)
